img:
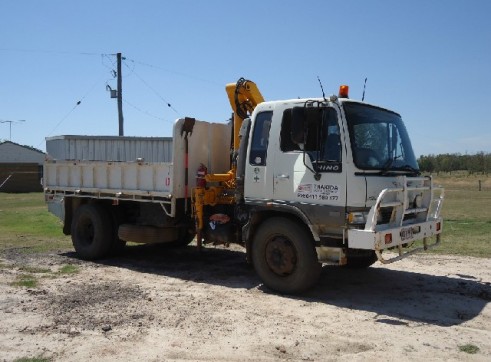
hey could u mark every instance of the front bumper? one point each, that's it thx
(393, 237)
(414, 206)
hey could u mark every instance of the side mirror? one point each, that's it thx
(298, 125)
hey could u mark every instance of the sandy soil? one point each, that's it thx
(153, 304)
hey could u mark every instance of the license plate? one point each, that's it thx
(406, 233)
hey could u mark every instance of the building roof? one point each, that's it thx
(11, 152)
(23, 146)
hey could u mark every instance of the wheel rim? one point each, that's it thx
(281, 256)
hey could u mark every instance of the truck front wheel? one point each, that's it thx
(92, 233)
(284, 256)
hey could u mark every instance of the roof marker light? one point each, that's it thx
(343, 91)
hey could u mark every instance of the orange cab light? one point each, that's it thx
(343, 91)
(388, 238)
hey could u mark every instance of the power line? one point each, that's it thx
(64, 52)
(109, 57)
(45, 51)
(145, 112)
(61, 121)
(113, 64)
(152, 89)
(71, 110)
(177, 73)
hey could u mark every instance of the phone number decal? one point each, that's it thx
(318, 192)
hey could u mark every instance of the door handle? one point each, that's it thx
(283, 177)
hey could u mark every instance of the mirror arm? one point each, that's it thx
(317, 175)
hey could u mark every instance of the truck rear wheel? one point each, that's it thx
(284, 257)
(92, 233)
(117, 245)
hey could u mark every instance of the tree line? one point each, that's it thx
(478, 163)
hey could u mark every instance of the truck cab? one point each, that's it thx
(345, 170)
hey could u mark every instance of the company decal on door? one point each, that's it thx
(318, 191)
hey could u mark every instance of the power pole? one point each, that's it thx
(120, 95)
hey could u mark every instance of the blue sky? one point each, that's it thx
(428, 60)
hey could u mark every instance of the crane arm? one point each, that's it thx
(243, 96)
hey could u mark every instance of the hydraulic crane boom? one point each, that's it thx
(243, 96)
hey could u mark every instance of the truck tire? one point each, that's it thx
(360, 259)
(92, 233)
(117, 245)
(284, 257)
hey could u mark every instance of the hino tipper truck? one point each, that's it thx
(297, 182)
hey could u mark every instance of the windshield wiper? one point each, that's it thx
(388, 164)
(408, 168)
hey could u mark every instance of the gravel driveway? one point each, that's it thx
(153, 304)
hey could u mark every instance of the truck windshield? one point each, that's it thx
(379, 139)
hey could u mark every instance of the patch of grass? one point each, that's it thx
(469, 348)
(27, 213)
(34, 269)
(32, 359)
(28, 227)
(26, 224)
(466, 215)
(25, 280)
(467, 205)
(69, 269)
(466, 237)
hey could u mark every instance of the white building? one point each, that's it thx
(21, 168)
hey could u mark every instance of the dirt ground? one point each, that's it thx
(153, 304)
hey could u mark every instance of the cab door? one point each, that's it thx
(311, 173)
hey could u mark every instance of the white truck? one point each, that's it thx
(297, 182)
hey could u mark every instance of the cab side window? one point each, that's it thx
(286, 143)
(331, 148)
(322, 141)
(260, 139)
